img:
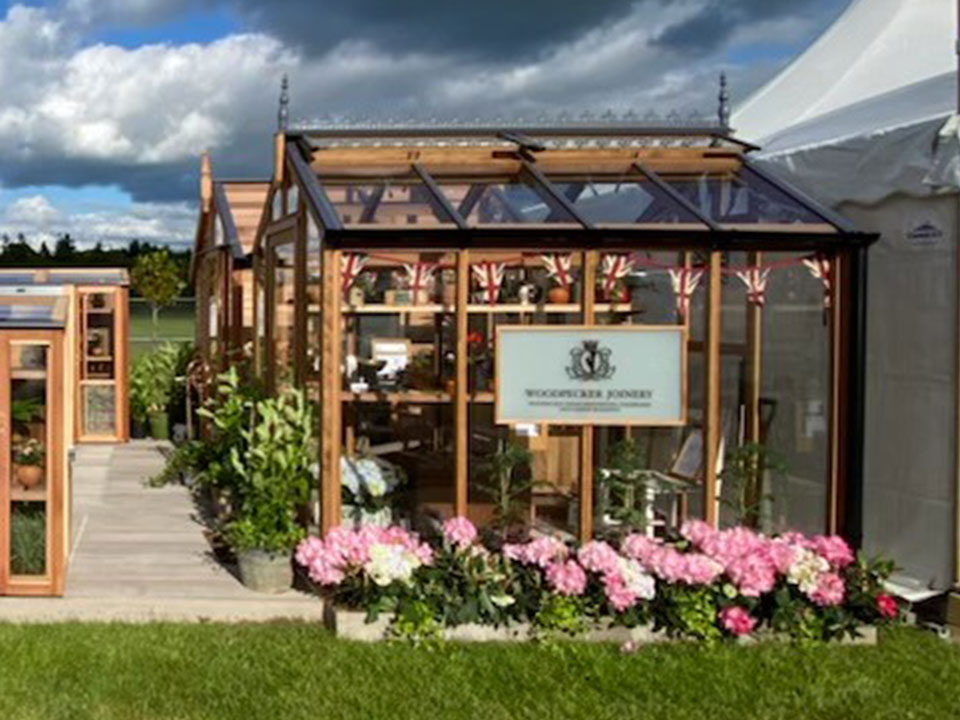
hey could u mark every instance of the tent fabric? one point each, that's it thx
(902, 142)
(865, 120)
(874, 48)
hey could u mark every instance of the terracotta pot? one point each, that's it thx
(558, 295)
(29, 476)
(451, 387)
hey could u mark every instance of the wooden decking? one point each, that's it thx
(139, 555)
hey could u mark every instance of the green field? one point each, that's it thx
(177, 324)
(290, 671)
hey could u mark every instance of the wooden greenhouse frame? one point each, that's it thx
(409, 195)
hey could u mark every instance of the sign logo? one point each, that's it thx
(590, 361)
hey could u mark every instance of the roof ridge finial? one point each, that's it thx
(723, 109)
(283, 114)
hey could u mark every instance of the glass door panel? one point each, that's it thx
(29, 364)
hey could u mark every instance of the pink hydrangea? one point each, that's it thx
(597, 556)
(737, 620)
(753, 574)
(459, 531)
(541, 551)
(628, 584)
(830, 590)
(697, 531)
(641, 547)
(782, 554)
(567, 578)
(342, 551)
(834, 549)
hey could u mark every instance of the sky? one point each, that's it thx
(108, 104)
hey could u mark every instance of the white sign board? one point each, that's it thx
(572, 375)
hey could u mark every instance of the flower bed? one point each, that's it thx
(707, 585)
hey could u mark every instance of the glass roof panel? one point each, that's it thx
(627, 198)
(20, 312)
(384, 201)
(514, 200)
(740, 196)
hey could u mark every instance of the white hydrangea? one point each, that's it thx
(806, 570)
(369, 475)
(391, 562)
(637, 580)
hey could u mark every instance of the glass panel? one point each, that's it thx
(99, 341)
(628, 198)
(284, 275)
(28, 457)
(519, 478)
(393, 201)
(484, 201)
(642, 479)
(99, 410)
(400, 366)
(739, 195)
(30, 315)
(795, 397)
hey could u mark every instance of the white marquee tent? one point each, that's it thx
(865, 120)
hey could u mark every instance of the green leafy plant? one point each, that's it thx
(28, 540)
(273, 475)
(152, 380)
(25, 410)
(623, 480)
(504, 483)
(744, 470)
(159, 279)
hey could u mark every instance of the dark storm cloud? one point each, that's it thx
(494, 29)
(707, 30)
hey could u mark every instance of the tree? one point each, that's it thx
(156, 276)
(64, 248)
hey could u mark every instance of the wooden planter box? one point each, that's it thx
(352, 625)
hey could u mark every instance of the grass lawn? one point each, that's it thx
(177, 324)
(286, 671)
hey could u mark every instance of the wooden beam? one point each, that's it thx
(754, 368)
(331, 408)
(837, 397)
(461, 500)
(711, 406)
(300, 297)
(588, 302)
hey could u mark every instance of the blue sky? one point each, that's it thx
(108, 104)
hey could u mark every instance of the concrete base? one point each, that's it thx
(352, 625)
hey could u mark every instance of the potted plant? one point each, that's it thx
(156, 378)
(506, 481)
(28, 458)
(369, 489)
(273, 479)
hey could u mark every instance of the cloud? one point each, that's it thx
(34, 210)
(37, 218)
(77, 112)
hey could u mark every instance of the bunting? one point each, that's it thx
(755, 279)
(351, 265)
(420, 275)
(819, 266)
(490, 278)
(614, 268)
(685, 281)
(560, 268)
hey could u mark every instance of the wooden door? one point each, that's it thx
(32, 463)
